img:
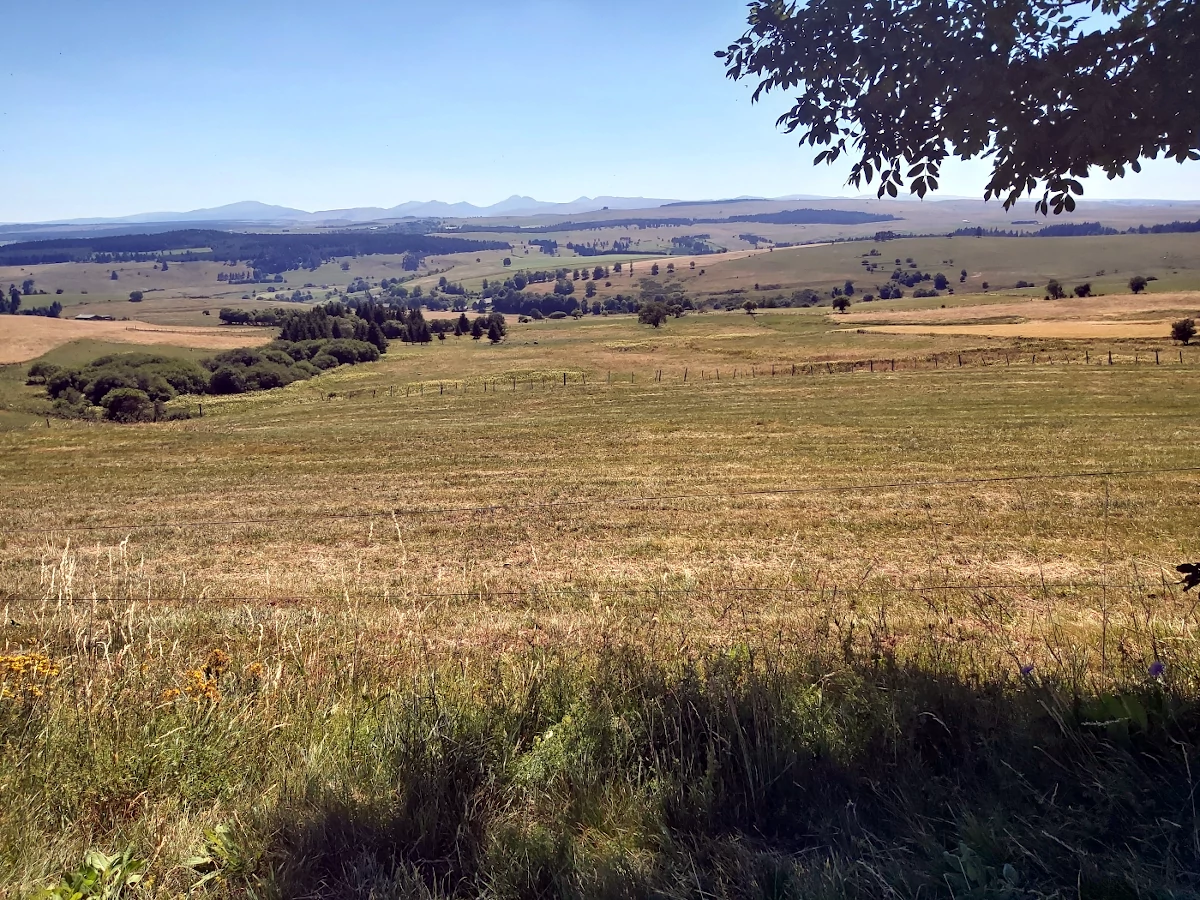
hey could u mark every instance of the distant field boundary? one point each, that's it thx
(615, 501)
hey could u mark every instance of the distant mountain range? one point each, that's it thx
(251, 211)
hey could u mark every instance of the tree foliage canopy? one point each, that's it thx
(1046, 89)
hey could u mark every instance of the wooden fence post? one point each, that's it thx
(564, 379)
(1087, 357)
(685, 376)
(794, 366)
(960, 360)
(893, 365)
(1156, 357)
(1110, 357)
(872, 365)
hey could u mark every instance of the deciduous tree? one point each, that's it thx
(1047, 89)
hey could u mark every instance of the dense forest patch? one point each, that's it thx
(266, 253)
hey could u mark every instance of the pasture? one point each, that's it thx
(606, 610)
(189, 293)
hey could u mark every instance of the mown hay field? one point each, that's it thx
(28, 337)
(445, 625)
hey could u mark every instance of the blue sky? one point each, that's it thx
(128, 106)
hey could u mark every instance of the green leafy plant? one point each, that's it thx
(970, 876)
(223, 858)
(100, 875)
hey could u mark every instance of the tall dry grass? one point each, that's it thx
(864, 745)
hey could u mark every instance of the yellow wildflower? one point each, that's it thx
(24, 674)
(218, 662)
(198, 686)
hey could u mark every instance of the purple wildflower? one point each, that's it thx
(1157, 668)
(1027, 669)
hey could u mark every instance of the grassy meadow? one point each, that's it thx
(529, 620)
(189, 294)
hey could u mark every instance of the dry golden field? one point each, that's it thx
(611, 611)
(23, 338)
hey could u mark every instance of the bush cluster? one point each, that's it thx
(139, 382)
(134, 387)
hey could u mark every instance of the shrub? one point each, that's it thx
(125, 404)
(348, 352)
(227, 380)
(42, 372)
(324, 361)
(240, 357)
(1184, 330)
(108, 380)
(266, 376)
(1137, 283)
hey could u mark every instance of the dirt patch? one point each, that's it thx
(28, 337)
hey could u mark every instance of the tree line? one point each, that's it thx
(12, 300)
(264, 253)
(1080, 229)
(784, 217)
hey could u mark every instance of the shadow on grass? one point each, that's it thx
(728, 777)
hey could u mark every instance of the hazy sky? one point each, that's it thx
(109, 108)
